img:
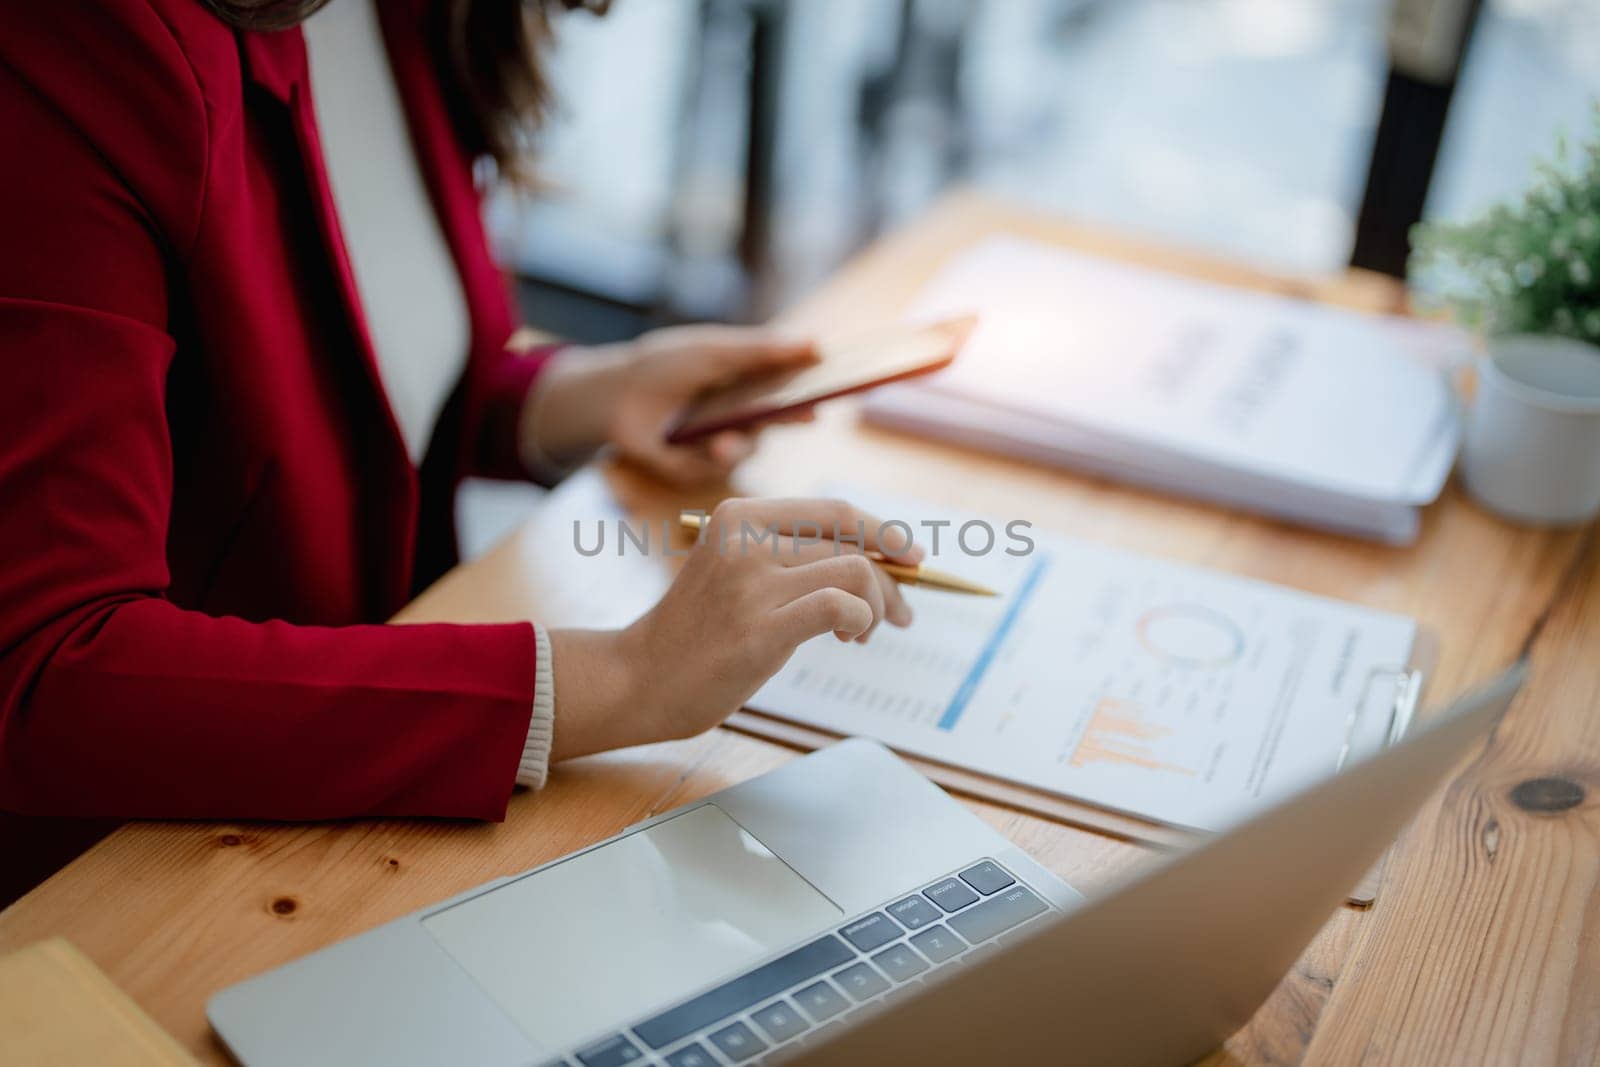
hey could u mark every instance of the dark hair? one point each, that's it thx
(491, 51)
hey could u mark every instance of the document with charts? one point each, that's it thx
(1173, 693)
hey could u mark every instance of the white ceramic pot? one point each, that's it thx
(1532, 450)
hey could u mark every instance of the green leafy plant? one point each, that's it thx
(1529, 266)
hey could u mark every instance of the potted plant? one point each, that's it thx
(1525, 277)
(1525, 267)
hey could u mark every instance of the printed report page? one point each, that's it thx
(1181, 695)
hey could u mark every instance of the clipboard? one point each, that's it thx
(1402, 703)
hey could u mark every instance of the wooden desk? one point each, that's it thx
(1484, 945)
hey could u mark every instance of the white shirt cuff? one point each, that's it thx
(535, 763)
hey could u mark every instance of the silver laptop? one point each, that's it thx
(843, 910)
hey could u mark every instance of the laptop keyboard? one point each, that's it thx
(812, 990)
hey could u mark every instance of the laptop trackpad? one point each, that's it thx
(608, 934)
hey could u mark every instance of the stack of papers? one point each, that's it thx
(1320, 416)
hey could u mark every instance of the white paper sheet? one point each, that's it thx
(1182, 695)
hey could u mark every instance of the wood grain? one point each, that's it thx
(1481, 948)
(1488, 949)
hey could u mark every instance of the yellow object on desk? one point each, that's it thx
(57, 1008)
(904, 573)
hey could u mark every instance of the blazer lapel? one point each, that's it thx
(277, 63)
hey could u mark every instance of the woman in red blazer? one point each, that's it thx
(208, 510)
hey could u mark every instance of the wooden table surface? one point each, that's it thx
(1484, 943)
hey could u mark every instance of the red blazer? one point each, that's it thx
(208, 510)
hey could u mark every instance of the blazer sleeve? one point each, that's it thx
(497, 391)
(114, 700)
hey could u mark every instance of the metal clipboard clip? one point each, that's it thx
(1407, 684)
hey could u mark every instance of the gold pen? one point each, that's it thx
(904, 573)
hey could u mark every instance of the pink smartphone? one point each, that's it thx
(847, 365)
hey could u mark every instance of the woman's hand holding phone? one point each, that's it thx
(630, 395)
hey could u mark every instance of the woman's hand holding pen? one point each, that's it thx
(732, 617)
(628, 395)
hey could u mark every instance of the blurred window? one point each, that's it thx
(1532, 73)
(1242, 128)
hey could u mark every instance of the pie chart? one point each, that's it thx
(1190, 635)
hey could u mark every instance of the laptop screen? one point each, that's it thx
(611, 933)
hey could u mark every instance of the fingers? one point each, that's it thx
(729, 448)
(895, 608)
(745, 349)
(683, 466)
(827, 610)
(713, 458)
(746, 529)
(756, 346)
(833, 519)
(702, 463)
(798, 553)
(855, 574)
